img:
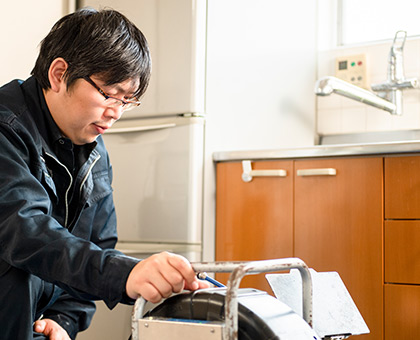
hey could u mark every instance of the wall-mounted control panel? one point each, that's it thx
(352, 69)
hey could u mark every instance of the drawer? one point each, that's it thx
(402, 252)
(402, 310)
(402, 187)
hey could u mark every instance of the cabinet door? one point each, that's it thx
(402, 183)
(338, 227)
(402, 248)
(402, 310)
(254, 220)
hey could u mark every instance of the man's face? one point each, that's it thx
(82, 114)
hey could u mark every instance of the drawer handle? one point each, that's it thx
(317, 172)
(248, 173)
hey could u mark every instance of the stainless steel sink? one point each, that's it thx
(353, 144)
(370, 137)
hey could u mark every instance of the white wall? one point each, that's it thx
(23, 25)
(261, 62)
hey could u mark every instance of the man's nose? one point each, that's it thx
(114, 112)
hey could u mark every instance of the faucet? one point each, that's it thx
(389, 93)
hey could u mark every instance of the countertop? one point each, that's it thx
(333, 150)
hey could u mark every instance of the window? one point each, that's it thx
(361, 21)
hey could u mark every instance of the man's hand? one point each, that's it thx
(160, 275)
(51, 329)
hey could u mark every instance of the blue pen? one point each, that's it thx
(204, 276)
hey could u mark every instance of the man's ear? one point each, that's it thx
(56, 73)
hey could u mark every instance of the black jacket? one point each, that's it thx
(35, 233)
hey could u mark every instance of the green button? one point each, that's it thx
(353, 64)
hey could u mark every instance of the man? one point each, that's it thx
(57, 217)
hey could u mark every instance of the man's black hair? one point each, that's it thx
(102, 43)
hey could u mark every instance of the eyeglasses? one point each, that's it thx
(112, 101)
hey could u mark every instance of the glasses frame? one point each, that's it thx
(125, 104)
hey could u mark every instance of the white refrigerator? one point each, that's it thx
(158, 182)
(157, 150)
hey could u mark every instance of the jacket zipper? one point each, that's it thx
(88, 172)
(68, 189)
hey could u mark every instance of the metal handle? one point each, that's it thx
(135, 316)
(316, 172)
(140, 128)
(238, 271)
(248, 173)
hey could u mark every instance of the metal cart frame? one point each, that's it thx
(238, 270)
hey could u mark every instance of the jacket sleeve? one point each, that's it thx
(33, 241)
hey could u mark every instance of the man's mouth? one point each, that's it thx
(101, 128)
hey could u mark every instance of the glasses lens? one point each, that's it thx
(130, 106)
(115, 102)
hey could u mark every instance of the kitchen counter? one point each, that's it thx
(333, 150)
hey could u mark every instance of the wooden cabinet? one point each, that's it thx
(402, 310)
(358, 216)
(402, 247)
(402, 250)
(338, 227)
(402, 187)
(254, 220)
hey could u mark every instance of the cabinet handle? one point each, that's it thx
(248, 173)
(317, 172)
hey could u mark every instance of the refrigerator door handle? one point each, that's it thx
(141, 128)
